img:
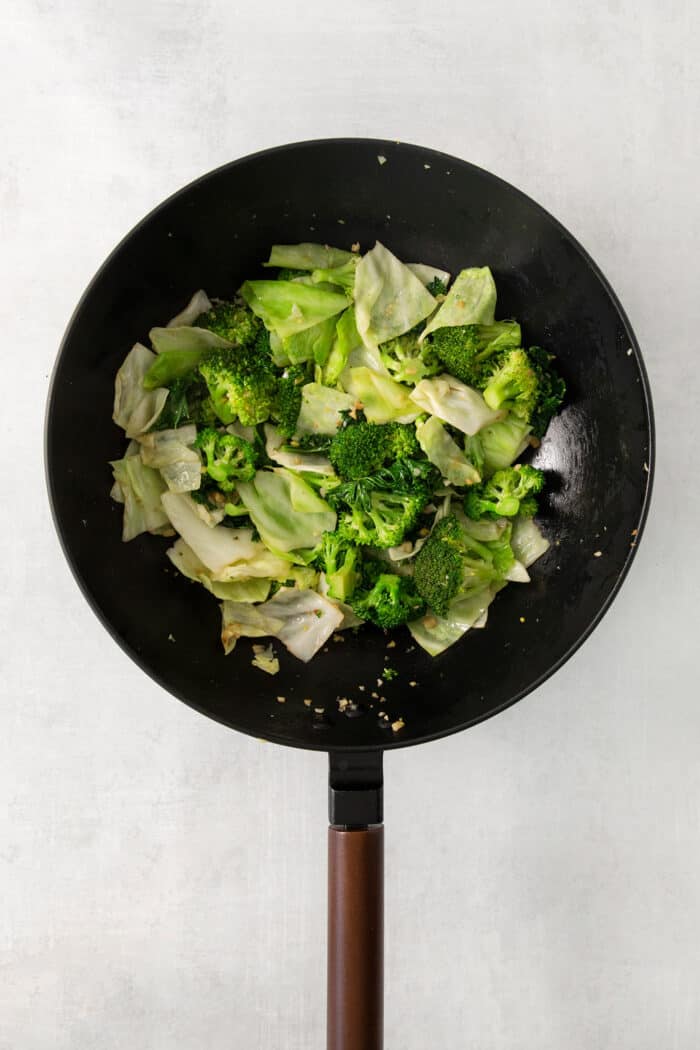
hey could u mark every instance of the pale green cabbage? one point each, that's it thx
(470, 300)
(168, 451)
(389, 298)
(289, 307)
(140, 488)
(303, 461)
(445, 453)
(199, 304)
(436, 633)
(383, 399)
(135, 409)
(320, 409)
(453, 402)
(307, 256)
(302, 620)
(285, 510)
(244, 590)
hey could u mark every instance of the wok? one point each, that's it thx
(598, 455)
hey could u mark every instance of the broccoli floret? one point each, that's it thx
(528, 507)
(513, 385)
(233, 321)
(340, 561)
(383, 520)
(360, 449)
(468, 351)
(412, 481)
(438, 567)
(288, 400)
(227, 458)
(407, 360)
(551, 390)
(403, 441)
(452, 562)
(502, 496)
(242, 382)
(437, 287)
(527, 385)
(387, 600)
(379, 510)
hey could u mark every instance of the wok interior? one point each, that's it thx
(213, 235)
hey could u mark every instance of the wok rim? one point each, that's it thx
(280, 737)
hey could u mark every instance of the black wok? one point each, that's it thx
(598, 455)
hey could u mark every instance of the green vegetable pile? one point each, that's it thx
(337, 445)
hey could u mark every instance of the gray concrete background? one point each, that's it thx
(162, 879)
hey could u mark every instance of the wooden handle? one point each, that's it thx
(355, 938)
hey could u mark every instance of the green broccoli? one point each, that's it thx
(469, 351)
(382, 520)
(227, 458)
(233, 321)
(527, 385)
(508, 492)
(407, 360)
(340, 561)
(360, 449)
(242, 381)
(387, 600)
(438, 569)
(452, 562)
(437, 287)
(288, 399)
(403, 441)
(379, 510)
(552, 389)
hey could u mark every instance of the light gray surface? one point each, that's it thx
(162, 879)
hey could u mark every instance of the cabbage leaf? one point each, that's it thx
(389, 298)
(307, 256)
(383, 399)
(288, 307)
(295, 460)
(168, 452)
(285, 510)
(218, 547)
(347, 338)
(502, 442)
(444, 452)
(186, 338)
(136, 409)
(141, 489)
(302, 620)
(184, 559)
(470, 300)
(427, 274)
(313, 344)
(437, 633)
(453, 402)
(320, 409)
(527, 541)
(199, 304)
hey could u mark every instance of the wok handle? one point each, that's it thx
(355, 938)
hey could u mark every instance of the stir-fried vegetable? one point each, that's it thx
(338, 445)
